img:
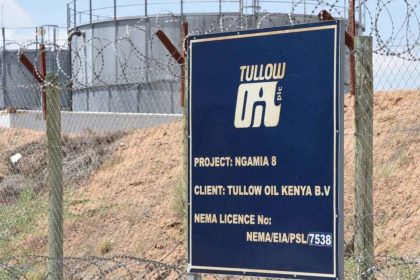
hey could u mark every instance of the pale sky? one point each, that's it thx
(25, 13)
(30, 13)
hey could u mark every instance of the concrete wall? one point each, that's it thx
(4, 120)
(77, 122)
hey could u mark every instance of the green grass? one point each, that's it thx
(400, 269)
(408, 272)
(105, 247)
(395, 270)
(19, 219)
(350, 268)
(180, 199)
(27, 271)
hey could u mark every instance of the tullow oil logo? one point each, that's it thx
(259, 95)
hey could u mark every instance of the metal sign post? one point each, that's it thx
(265, 130)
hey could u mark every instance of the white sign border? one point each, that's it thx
(259, 34)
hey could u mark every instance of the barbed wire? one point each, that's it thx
(130, 72)
(395, 35)
(90, 267)
(127, 267)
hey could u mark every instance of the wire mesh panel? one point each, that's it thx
(122, 154)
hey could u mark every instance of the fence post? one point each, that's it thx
(55, 180)
(192, 276)
(363, 107)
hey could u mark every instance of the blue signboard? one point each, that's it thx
(266, 151)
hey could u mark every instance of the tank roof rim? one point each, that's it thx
(153, 16)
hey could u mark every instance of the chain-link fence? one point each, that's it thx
(121, 148)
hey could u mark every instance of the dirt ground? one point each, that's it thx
(396, 172)
(10, 140)
(130, 204)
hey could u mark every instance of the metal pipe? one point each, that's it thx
(324, 15)
(42, 31)
(352, 19)
(241, 13)
(145, 8)
(352, 59)
(70, 35)
(115, 9)
(349, 41)
(92, 63)
(170, 47)
(74, 13)
(146, 47)
(116, 50)
(30, 67)
(90, 11)
(36, 38)
(76, 32)
(220, 16)
(54, 64)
